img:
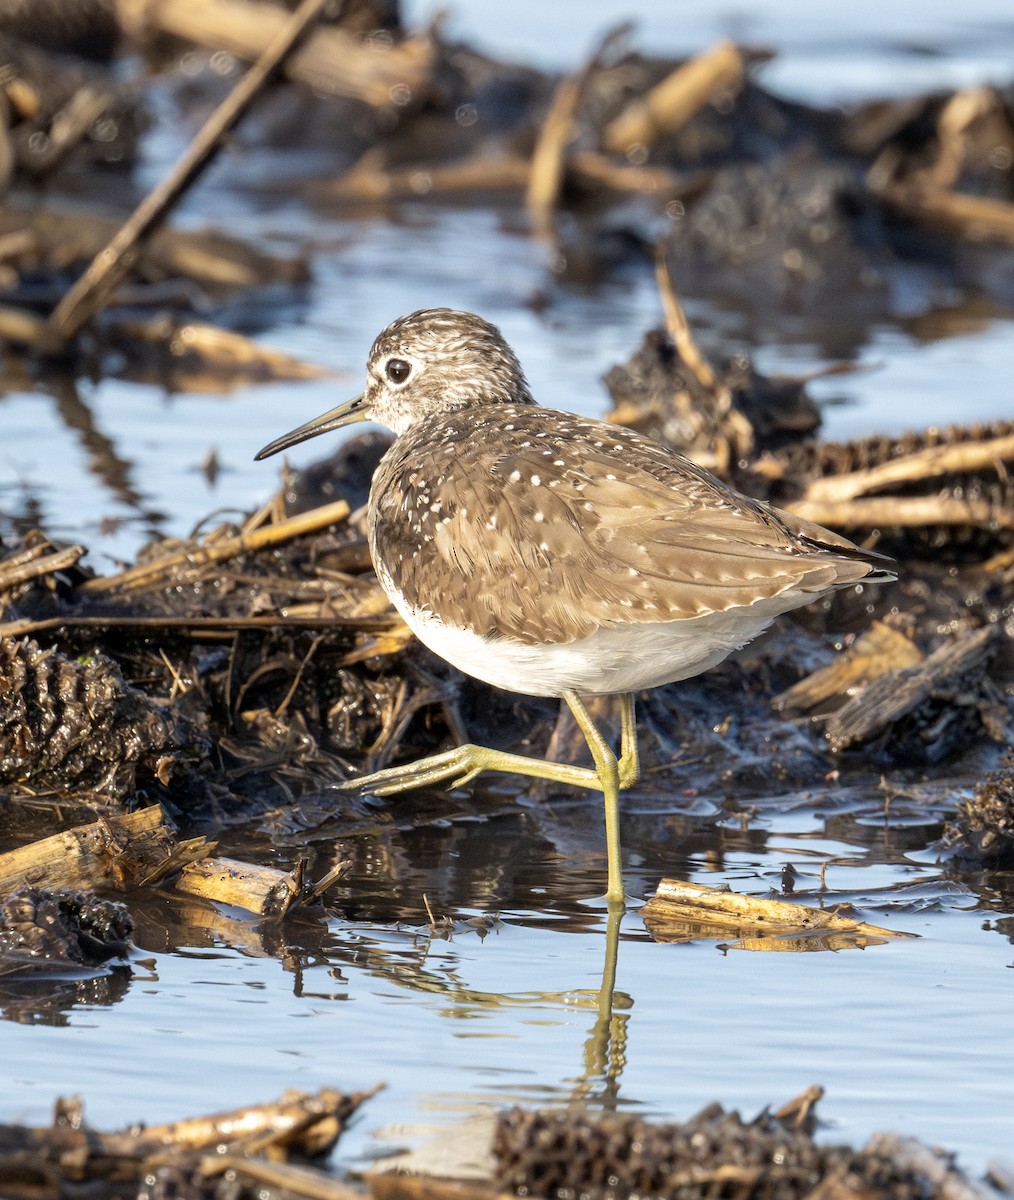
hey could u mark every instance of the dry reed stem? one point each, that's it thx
(977, 218)
(676, 900)
(37, 562)
(216, 628)
(671, 104)
(548, 164)
(678, 327)
(160, 571)
(219, 349)
(901, 512)
(264, 891)
(958, 457)
(331, 60)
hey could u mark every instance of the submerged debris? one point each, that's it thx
(59, 948)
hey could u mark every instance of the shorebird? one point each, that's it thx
(557, 555)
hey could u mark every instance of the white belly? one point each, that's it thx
(614, 659)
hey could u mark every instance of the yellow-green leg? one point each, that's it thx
(464, 763)
(607, 771)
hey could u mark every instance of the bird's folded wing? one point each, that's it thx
(551, 552)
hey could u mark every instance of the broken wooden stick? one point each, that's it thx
(682, 911)
(879, 649)
(955, 671)
(977, 218)
(958, 457)
(265, 891)
(26, 330)
(678, 327)
(879, 512)
(62, 237)
(211, 351)
(37, 561)
(389, 628)
(370, 180)
(117, 851)
(70, 1155)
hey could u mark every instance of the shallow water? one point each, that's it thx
(912, 1036)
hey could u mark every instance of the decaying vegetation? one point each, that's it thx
(544, 1154)
(236, 1153)
(225, 681)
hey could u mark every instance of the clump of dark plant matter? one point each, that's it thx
(983, 829)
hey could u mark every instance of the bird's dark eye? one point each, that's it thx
(397, 370)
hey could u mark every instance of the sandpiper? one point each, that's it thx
(557, 555)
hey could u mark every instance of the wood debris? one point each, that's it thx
(55, 239)
(879, 649)
(91, 290)
(941, 489)
(118, 852)
(193, 560)
(973, 130)
(681, 911)
(929, 709)
(884, 691)
(547, 169)
(266, 892)
(332, 60)
(670, 390)
(256, 1144)
(669, 105)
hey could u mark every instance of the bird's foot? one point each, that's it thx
(463, 764)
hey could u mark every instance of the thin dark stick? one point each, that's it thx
(196, 627)
(108, 267)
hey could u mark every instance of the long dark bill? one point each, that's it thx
(345, 414)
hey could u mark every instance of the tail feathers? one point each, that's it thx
(879, 567)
